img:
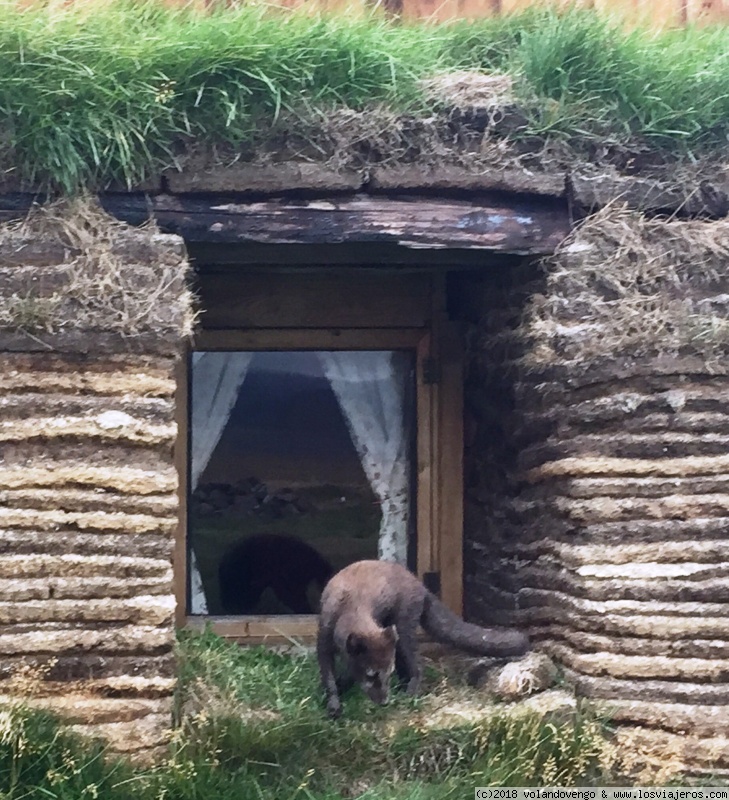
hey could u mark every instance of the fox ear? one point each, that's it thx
(355, 645)
(390, 633)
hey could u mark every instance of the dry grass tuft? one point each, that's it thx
(28, 680)
(648, 757)
(110, 277)
(625, 284)
(205, 700)
(461, 121)
(533, 673)
(470, 89)
(345, 138)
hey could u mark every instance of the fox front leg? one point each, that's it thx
(345, 682)
(325, 657)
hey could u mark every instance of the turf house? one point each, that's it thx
(469, 314)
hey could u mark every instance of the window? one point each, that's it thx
(300, 463)
(288, 440)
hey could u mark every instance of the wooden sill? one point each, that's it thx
(274, 629)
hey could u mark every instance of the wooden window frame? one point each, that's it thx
(439, 449)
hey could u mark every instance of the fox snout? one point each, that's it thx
(376, 690)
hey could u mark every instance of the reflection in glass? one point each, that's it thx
(299, 464)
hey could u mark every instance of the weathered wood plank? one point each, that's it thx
(359, 299)
(254, 629)
(180, 452)
(254, 256)
(451, 468)
(425, 430)
(309, 339)
(519, 226)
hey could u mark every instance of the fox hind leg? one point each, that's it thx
(345, 681)
(407, 663)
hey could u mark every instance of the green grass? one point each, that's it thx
(591, 78)
(112, 94)
(252, 724)
(115, 94)
(396, 744)
(39, 759)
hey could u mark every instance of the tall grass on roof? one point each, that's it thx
(89, 97)
(591, 77)
(109, 94)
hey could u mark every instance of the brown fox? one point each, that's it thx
(284, 564)
(370, 613)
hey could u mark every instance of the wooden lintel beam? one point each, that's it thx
(517, 225)
(521, 227)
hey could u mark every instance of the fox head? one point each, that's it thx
(371, 659)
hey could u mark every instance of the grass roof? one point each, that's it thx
(94, 95)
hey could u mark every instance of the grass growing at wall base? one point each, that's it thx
(89, 97)
(251, 724)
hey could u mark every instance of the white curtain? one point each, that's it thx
(216, 380)
(371, 388)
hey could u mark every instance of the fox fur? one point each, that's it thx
(370, 613)
(282, 563)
